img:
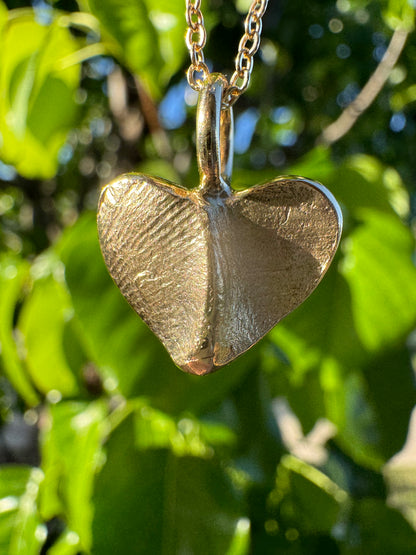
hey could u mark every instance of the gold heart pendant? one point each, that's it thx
(211, 270)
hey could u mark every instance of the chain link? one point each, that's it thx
(196, 37)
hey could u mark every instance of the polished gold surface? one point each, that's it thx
(211, 271)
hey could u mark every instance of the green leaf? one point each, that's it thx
(391, 391)
(71, 454)
(399, 99)
(167, 17)
(317, 163)
(3, 14)
(241, 541)
(364, 182)
(381, 529)
(399, 14)
(321, 329)
(42, 324)
(180, 504)
(173, 391)
(160, 168)
(122, 346)
(184, 435)
(146, 37)
(67, 544)
(37, 107)
(378, 267)
(13, 275)
(306, 497)
(21, 532)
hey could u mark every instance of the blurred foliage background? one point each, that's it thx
(304, 445)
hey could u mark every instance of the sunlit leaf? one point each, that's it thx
(42, 325)
(37, 106)
(71, 448)
(167, 17)
(146, 37)
(184, 435)
(13, 274)
(364, 182)
(67, 544)
(401, 98)
(380, 273)
(241, 542)
(400, 14)
(316, 164)
(306, 497)
(21, 532)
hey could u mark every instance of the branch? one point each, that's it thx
(151, 116)
(129, 119)
(376, 82)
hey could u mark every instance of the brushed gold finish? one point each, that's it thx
(211, 270)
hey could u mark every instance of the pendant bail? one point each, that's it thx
(214, 138)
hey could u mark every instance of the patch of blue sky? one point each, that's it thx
(286, 137)
(7, 173)
(245, 126)
(172, 109)
(398, 122)
(282, 115)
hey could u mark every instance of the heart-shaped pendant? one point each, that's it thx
(211, 270)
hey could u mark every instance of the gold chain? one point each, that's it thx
(196, 37)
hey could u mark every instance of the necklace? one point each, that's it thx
(211, 270)
(249, 44)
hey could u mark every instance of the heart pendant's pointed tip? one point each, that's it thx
(200, 366)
